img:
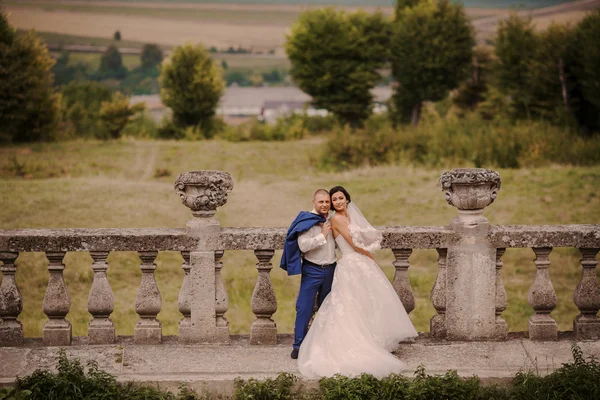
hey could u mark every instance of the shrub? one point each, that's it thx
(278, 388)
(116, 113)
(466, 141)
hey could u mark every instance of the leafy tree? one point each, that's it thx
(192, 85)
(431, 52)
(152, 56)
(550, 83)
(474, 90)
(586, 58)
(81, 102)
(65, 73)
(117, 35)
(115, 114)
(402, 4)
(224, 64)
(29, 108)
(111, 64)
(335, 57)
(515, 47)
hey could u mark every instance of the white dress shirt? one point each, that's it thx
(315, 247)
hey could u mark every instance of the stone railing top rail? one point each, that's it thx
(409, 237)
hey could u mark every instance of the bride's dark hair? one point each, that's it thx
(336, 189)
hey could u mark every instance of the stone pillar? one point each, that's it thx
(221, 301)
(471, 259)
(542, 298)
(587, 298)
(148, 303)
(184, 300)
(11, 302)
(401, 283)
(203, 192)
(437, 324)
(57, 330)
(264, 303)
(101, 302)
(501, 298)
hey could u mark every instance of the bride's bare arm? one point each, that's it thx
(340, 226)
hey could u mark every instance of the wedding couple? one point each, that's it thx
(360, 319)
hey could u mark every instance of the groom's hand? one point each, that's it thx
(325, 229)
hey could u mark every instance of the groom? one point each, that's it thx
(310, 233)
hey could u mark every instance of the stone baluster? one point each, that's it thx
(401, 283)
(148, 302)
(501, 298)
(542, 298)
(11, 302)
(437, 324)
(101, 302)
(203, 192)
(471, 259)
(221, 301)
(587, 298)
(264, 303)
(184, 301)
(57, 330)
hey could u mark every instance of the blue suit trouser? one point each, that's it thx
(314, 280)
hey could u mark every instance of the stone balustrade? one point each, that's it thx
(468, 294)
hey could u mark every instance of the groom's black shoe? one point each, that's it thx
(294, 354)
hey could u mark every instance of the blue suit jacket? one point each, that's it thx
(290, 260)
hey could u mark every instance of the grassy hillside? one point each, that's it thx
(113, 184)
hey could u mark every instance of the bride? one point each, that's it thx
(362, 320)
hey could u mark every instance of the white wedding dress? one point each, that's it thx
(358, 325)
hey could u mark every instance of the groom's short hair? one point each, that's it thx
(323, 191)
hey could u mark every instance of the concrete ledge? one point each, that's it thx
(214, 367)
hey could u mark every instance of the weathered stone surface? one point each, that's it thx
(101, 302)
(401, 283)
(57, 330)
(203, 191)
(587, 298)
(580, 236)
(471, 259)
(437, 324)
(95, 240)
(470, 188)
(408, 237)
(11, 302)
(542, 299)
(202, 284)
(148, 303)
(415, 237)
(252, 238)
(264, 303)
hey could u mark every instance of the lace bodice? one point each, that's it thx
(344, 246)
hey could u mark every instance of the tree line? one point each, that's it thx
(336, 58)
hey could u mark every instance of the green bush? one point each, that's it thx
(466, 141)
(279, 388)
(577, 380)
(296, 126)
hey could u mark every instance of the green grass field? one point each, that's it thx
(111, 184)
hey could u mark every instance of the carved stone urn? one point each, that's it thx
(470, 190)
(203, 191)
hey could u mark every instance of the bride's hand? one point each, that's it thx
(367, 253)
